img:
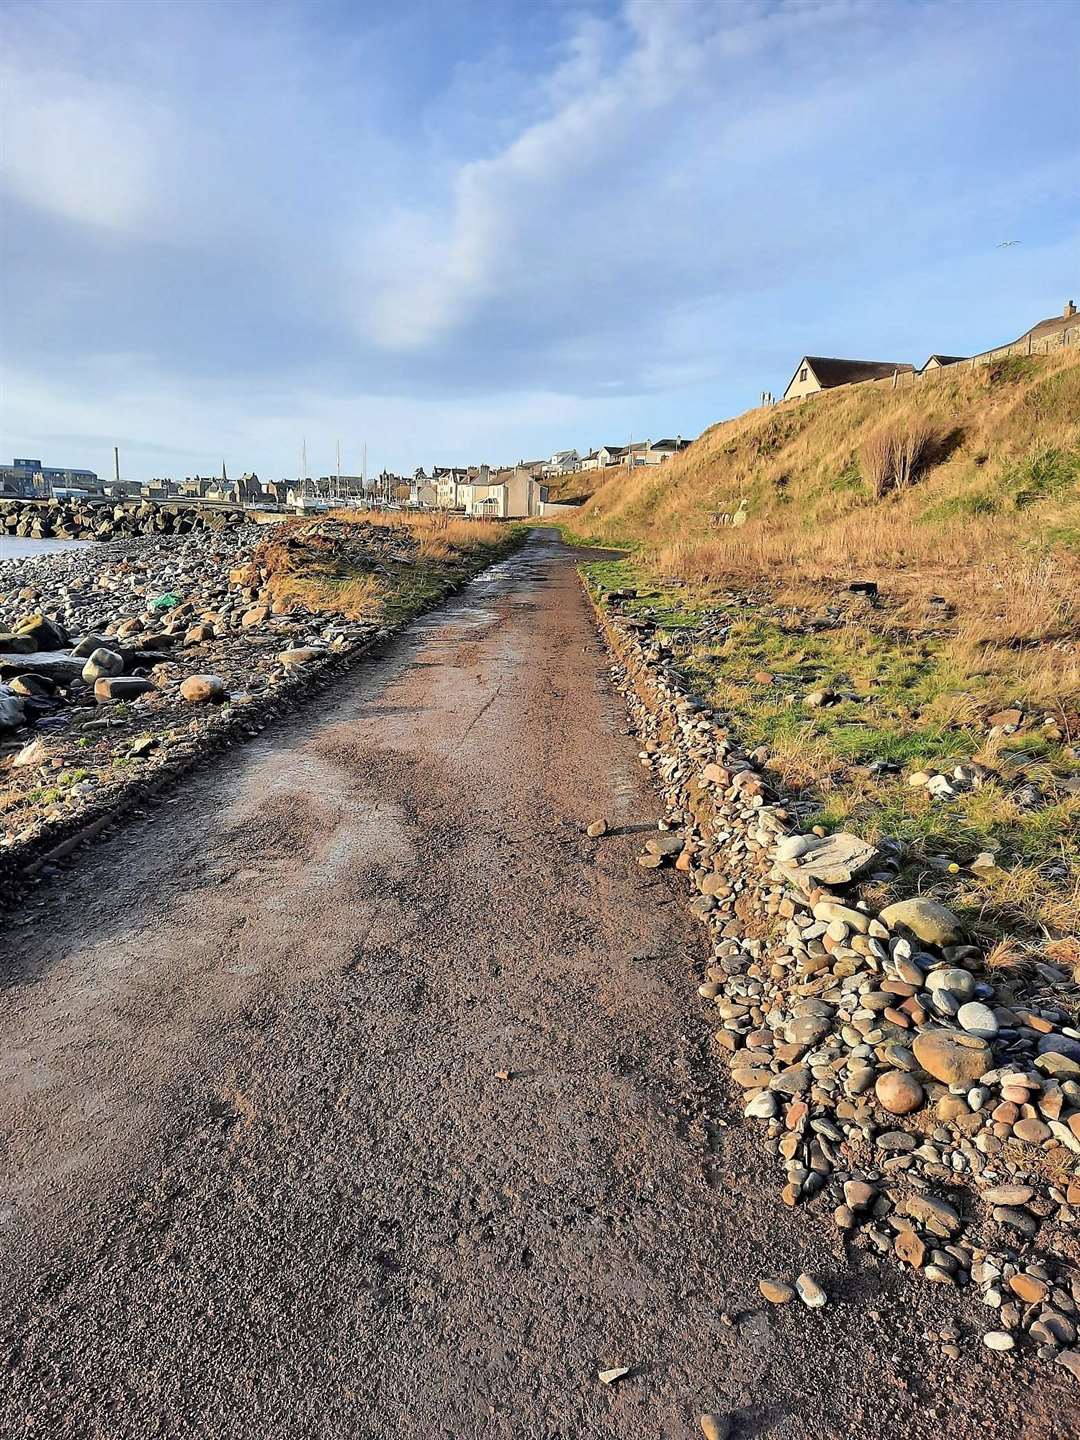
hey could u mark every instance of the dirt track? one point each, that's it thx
(260, 1178)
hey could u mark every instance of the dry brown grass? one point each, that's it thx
(812, 517)
(1066, 953)
(358, 598)
(441, 535)
(893, 456)
(1007, 956)
(804, 759)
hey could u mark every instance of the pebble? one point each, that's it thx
(609, 1377)
(978, 1019)
(898, 1092)
(810, 1292)
(776, 1292)
(715, 1427)
(998, 1340)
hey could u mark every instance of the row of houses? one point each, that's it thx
(29, 479)
(822, 372)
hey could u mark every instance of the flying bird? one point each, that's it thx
(1002, 243)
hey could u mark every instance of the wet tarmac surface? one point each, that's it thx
(261, 1177)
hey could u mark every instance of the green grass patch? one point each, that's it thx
(903, 703)
(1046, 475)
(1011, 369)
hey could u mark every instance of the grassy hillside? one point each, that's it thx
(1002, 464)
(858, 699)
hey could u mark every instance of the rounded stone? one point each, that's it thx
(932, 922)
(762, 1106)
(100, 663)
(959, 983)
(202, 689)
(978, 1019)
(998, 1340)
(810, 1292)
(898, 1092)
(776, 1292)
(952, 1057)
(1029, 1288)
(1032, 1131)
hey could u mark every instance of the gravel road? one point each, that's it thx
(261, 1176)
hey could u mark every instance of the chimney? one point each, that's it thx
(1070, 310)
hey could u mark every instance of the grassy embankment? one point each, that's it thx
(976, 550)
(329, 566)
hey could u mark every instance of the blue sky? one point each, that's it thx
(480, 231)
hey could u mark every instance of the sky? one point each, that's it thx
(466, 232)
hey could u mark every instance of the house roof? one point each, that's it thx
(670, 444)
(1049, 327)
(613, 449)
(831, 371)
(946, 359)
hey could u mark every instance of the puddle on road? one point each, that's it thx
(315, 823)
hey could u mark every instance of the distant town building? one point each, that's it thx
(30, 479)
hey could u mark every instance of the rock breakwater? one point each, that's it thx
(96, 520)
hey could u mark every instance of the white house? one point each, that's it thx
(510, 495)
(423, 493)
(610, 455)
(657, 451)
(563, 462)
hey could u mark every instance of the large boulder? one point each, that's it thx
(33, 687)
(11, 644)
(929, 920)
(88, 644)
(953, 1057)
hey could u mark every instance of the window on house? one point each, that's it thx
(802, 373)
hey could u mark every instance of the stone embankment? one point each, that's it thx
(122, 667)
(84, 520)
(934, 1111)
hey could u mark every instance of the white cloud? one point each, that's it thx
(646, 209)
(82, 150)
